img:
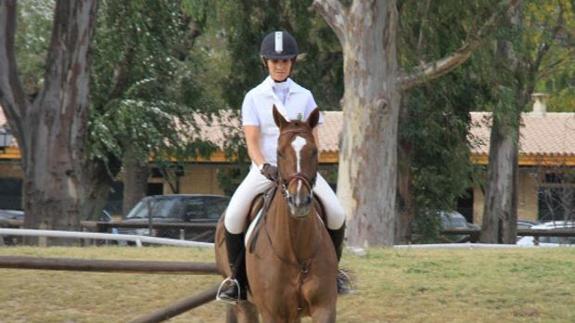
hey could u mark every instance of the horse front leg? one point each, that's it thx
(245, 312)
(323, 315)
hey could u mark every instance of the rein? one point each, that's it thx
(309, 184)
(303, 266)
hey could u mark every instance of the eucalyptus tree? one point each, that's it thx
(521, 55)
(75, 125)
(51, 126)
(374, 81)
(434, 165)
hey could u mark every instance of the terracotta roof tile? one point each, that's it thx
(227, 124)
(550, 135)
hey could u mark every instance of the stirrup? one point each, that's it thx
(344, 285)
(225, 285)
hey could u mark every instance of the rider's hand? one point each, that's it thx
(269, 171)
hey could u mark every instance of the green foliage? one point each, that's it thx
(494, 79)
(557, 76)
(32, 40)
(243, 24)
(144, 92)
(434, 129)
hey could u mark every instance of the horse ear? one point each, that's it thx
(279, 118)
(313, 118)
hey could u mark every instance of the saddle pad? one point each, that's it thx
(252, 227)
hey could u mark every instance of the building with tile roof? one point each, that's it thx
(547, 146)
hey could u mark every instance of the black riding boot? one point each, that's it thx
(233, 289)
(343, 281)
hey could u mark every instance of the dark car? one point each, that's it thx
(455, 220)
(7, 220)
(177, 209)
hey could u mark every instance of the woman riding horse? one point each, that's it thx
(278, 52)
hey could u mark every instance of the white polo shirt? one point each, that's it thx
(296, 103)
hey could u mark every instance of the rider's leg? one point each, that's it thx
(335, 224)
(234, 224)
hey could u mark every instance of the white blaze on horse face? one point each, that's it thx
(297, 145)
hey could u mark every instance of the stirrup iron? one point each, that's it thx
(229, 281)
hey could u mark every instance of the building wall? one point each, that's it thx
(526, 199)
(11, 168)
(198, 179)
(527, 206)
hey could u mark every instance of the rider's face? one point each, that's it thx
(279, 69)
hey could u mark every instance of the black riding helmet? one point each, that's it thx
(279, 45)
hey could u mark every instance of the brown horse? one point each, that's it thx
(292, 266)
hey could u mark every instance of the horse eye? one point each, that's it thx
(280, 155)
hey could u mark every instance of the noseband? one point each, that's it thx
(308, 182)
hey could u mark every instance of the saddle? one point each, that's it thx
(261, 204)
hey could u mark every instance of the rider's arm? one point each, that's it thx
(252, 134)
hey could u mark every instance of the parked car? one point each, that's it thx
(549, 241)
(525, 224)
(5, 216)
(11, 215)
(455, 220)
(177, 209)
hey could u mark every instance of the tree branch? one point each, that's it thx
(433, 70)
(551, 67)
(122, 74)
(424, 20)
(12, 97)
(334, 14)
(545, 46)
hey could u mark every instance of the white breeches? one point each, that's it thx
(255, 183)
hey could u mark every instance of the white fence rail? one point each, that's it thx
(103, 236)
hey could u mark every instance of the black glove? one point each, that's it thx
(270, 172)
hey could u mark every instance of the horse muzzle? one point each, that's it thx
(299, 206)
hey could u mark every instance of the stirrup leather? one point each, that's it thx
(229, 283)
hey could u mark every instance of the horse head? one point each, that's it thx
(297, 157)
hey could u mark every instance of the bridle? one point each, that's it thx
(309, 183)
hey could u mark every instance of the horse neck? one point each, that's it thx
(294, 238)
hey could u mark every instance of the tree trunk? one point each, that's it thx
(135, 180)
(368, 155)
(51, 132)
(367, 182)
(517, 77)
(501, 191)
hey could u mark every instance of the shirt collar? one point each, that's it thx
(292, 86)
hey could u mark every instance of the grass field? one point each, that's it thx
(393, 285)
